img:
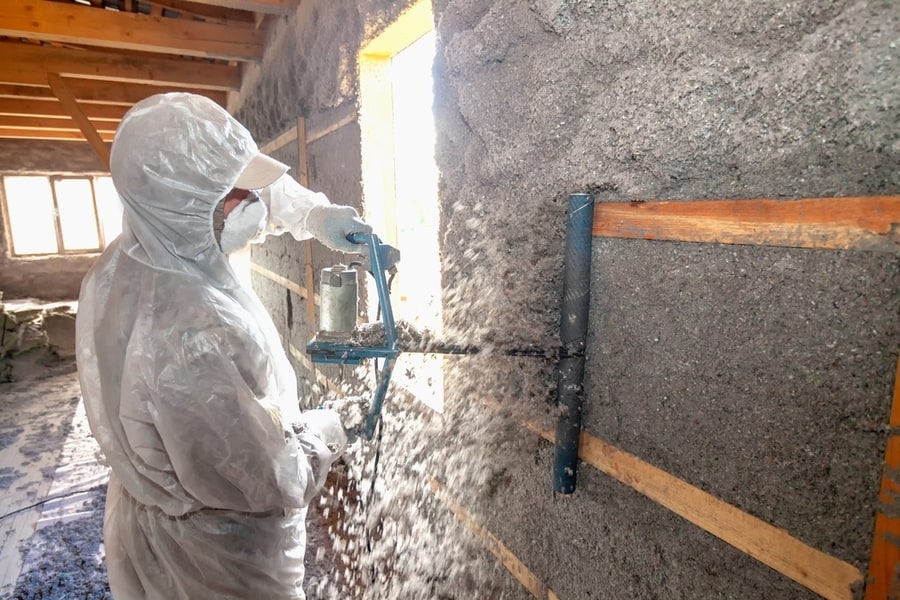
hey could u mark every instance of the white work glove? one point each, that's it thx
(331, 224)
(353, 411)
(326, 425)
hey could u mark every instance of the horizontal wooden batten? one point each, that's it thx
(52, 124)
(513, 564)
(54, 108)
(826, 575)
(29, 64)
(272, 7)
(73, 24)
(96, 92)
(852, 223)
(49, 134)
(282, 281)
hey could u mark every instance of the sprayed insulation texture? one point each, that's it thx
(760, 375)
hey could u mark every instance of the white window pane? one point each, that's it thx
(77, 219)
(29, 203)
(416, 184)
(110, 208)
(417, 296)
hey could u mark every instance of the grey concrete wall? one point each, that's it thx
(52, 278)
(760, 375)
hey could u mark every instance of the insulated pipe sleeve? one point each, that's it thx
(573, 338)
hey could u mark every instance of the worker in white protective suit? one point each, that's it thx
(187, 387)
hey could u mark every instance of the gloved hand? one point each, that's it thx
(353, 411)
(326, 424)
(331, 224)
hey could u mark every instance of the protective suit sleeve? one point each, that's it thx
(225, 437)
(289, 204)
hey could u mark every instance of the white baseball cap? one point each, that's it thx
(260, 172)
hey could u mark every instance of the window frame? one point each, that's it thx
(61, 250)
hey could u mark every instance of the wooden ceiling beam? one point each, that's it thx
(53, 108)
(71, 24)
(95, 92)
(61, 89)
(29, 64)
(208, 12)
(271, 7)
(52, 124)
(48, 134)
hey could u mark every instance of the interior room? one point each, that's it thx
(633, 289)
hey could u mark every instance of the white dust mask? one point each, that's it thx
(243, 224)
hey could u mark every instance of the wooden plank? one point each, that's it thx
(406, 29)
(302, 153)
(513, 564)
(271, 7)
(48, 134)
(303, 178)
(329, 129)
(826, 575)
(884, 564)
(29, 64)
(73, 24)
(198, 10)
(54, 108)
(53, 124)
(68, 101)
(853, 223)
(282, 281)
(95, 92)
(281, 140)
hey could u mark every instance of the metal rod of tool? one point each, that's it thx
(378, 265)
(377, 262)
(573, 339)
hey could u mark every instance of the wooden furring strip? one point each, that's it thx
(826, 575)
(328, 130)
(853, 223)
(67, 99)
(303, 174)
(884, 564)
(282, 281)
(281, 140)
(516, 567)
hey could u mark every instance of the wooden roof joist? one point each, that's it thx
(96, 92)
(55, 109)
(48, 134)
(49, 124)
(69, 23)
(272, 7)
(27, 64)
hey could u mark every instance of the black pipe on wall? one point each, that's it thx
(573, 330)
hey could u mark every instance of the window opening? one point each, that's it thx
(400, 180)
(48, 215)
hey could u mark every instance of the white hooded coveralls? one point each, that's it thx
(186, 384)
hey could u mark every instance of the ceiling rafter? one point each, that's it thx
(102, 92)
(29, 64)
(72, 24)
(72, 68)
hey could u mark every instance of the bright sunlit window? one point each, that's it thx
(400, 179)
(48, 215)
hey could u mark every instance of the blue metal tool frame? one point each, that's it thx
(381, 259)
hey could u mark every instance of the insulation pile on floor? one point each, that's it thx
(53, 485)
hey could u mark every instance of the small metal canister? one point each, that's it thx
(339, 298)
